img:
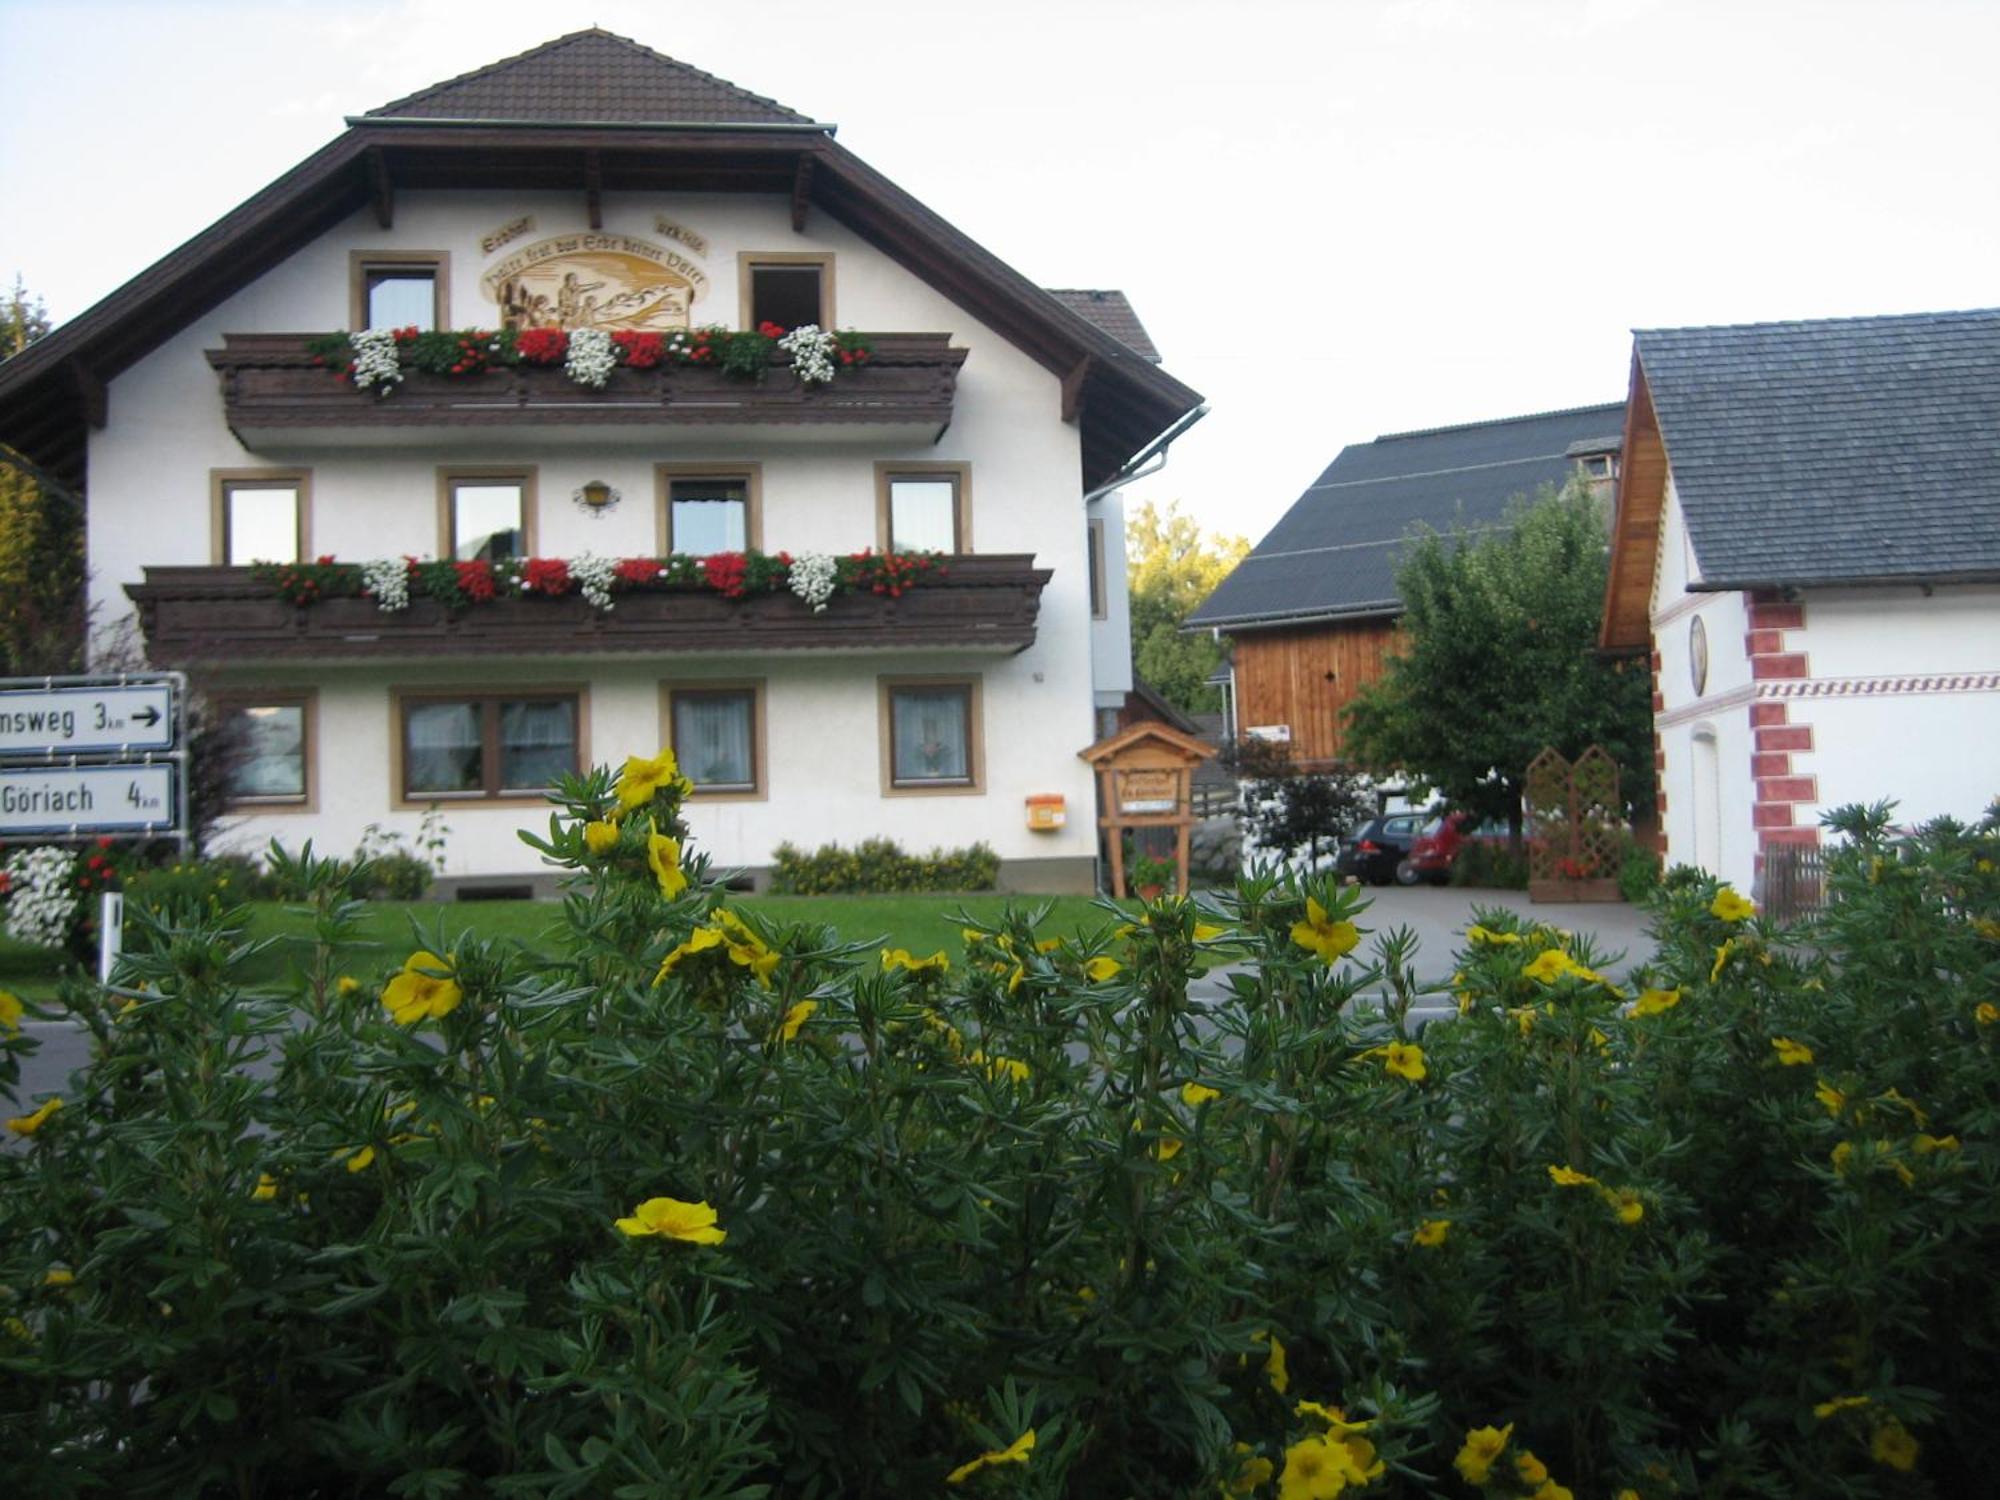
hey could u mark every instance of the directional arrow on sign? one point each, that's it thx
(148, 716)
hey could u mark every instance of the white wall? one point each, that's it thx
(149, 504)
(1111, 637)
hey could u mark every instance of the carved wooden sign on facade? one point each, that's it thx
(572, 281)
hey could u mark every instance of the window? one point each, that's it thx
(490, 745)
(931, 735)
(397, 289)
(485, 513)
(269, 756)
(259, 515)
(789, 288)
(710, 508)
(1599, 466)
(1099, 603)
(923, 507)
(717, 734)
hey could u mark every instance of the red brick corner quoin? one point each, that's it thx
(1776, 737)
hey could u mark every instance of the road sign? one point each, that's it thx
(109, 718)
(87, 799)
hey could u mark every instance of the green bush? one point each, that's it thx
(1490, 866)
(876, 866)
(1638, 873)
(705, 1208)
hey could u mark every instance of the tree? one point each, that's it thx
(1171, 566)
(1499, 659)
(41, 537)
(1288, 811)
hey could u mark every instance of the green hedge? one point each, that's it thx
(877, 866)
(1038, 1220)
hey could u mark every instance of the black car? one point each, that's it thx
(1379, 850)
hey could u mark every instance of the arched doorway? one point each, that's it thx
(1705, 803)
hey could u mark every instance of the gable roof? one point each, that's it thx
(589, 77)
(1334, 553)
(1850, 450)
(56, 389)
(1111, 311)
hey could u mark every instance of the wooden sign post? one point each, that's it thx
(1145, 776)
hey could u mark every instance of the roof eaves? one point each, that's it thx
(1306, 615)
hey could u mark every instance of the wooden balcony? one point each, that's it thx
(212, 617)
(273, 395)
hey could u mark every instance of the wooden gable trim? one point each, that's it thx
(382, 188)
(1635, 527)
(1185, 747)
(802, 191)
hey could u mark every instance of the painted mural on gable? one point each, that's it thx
(595, 280)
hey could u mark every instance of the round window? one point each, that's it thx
(1698, 655)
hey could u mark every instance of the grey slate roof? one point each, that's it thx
(1110, 311)
(1334, 552)
(590, 76)
(1848, 450)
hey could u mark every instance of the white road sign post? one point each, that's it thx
(114, 719)
(82, 757)
(66, 800)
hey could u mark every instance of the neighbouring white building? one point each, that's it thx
(1808, 544)
(592, 187)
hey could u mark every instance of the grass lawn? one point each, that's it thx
(922, 924)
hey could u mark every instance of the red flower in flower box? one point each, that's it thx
(546, 575)
(642, 351)
(770, 330)
(541, 346)
(636, 572)
(475, 579)
(724, 572)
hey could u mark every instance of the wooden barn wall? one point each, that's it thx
(1305, 677)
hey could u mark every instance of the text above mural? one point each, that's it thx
(606, 281)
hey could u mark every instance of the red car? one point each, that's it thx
(1435, 848)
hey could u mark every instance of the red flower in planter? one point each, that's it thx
(546, 575)
(541, 346)
(724, 572)
(641, 351)
(770, 330)
(475, 580)
(637, 572)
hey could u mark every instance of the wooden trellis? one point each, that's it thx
(1576, 823)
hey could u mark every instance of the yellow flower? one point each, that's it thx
(1333, 1416)
(1839, 1403)
(902, 958)
(1195, 1095)
(1550, 1490)
(1570, 1177)
(11, 1011)
(1791, 1054)
(1167, 1147)
(796, 1017)
(1405, 1060)
(1656, 1002)
(1208, 932)
(1252, 1470)
(1431, 1233)
(358, 1159)
(1015, 1452)
(1523, 1017)
(1841, 1155)
(1721, 959)
(1893, 1445)
(1731, 907)
(1274, 1362)
(1625, 1203)
(1834, 1100)
(59, 1276)
(416, 994)
(1479, 934)
(346, 986)
(266, 1188)
(1986, 1013)
(671, 1219)
(699, 941)
(1100, 969)
(663, 858)
(1916, 1112)
(1320, 934)
(1483, 1446)
(1317, 1468)
(1531, 1469)
(1924, 1145)
(600, 837)
(641, 778)
(1627, 1494)
(29, 1124)
(999, 1067)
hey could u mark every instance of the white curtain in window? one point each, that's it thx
(931, 731)
(441, 748)
(712, 739)
(273, 744)
(537, 743)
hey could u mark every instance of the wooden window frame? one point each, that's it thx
(450, 476)
(400, 698)
(886, 473)
(760, 758)
(234, 700)
(664, 475)
(748, 260)
(361, 262)
(222, 481)
(1100, 593)
(974, 686)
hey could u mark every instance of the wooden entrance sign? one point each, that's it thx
(1145, 775)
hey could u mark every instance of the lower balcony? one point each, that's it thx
(213, 617)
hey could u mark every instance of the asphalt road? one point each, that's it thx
(1438, 917)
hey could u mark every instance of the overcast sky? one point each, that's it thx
(1337, 219)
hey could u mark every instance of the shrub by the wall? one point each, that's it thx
(878, 866)
(1486, 865)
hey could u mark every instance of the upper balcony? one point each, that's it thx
(274, 395)
(212, 617)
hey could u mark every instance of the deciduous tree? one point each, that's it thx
(1171, 566)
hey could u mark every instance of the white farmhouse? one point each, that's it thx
(1808, 544)
(592, 188)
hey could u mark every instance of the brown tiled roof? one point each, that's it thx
(1109, 311)
(591, 77)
